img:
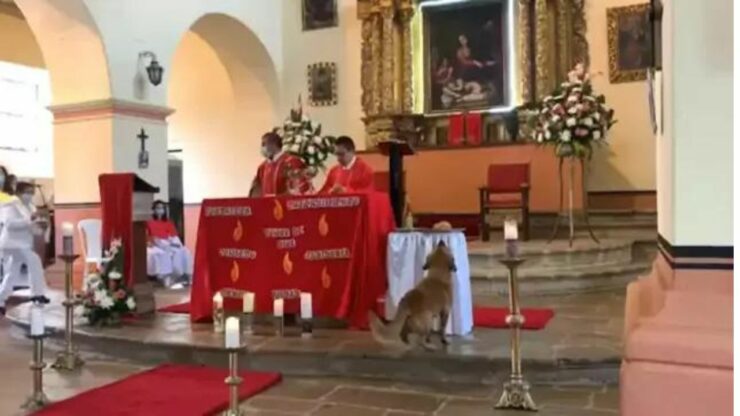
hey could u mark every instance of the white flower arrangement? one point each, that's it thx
(572, 118)
(105, 296)
(302, 137)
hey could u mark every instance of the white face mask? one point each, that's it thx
(158, 212)
(265, 152)
(27, 198)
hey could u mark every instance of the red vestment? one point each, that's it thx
(273, 175)
(161, 229)
(357, 178)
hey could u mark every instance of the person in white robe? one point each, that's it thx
(19, 225)
(168, 257)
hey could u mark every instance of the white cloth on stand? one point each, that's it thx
(407, 252)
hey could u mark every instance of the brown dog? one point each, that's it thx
(417, 309)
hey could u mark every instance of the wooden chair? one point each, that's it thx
(507, 188)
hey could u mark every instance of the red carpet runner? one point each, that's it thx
(164, 390)
(483, 316)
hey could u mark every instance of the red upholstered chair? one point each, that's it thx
(507, 188)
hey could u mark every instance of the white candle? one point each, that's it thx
(37, 321)
(232, 332)
(248, 302)
(511, 232)
(277, 307)
(68, 229)
(218, 301)
(306, 306)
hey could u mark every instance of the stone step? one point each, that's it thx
(582, 280)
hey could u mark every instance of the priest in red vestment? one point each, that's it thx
(352, 174)
(274, 174)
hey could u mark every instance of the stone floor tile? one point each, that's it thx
(280, 404)
(307, 389)
(330, 409)
(385, 398)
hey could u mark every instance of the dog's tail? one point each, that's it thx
(389, 334)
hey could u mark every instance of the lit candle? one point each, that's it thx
(232, 332)
(37, 321)
(68, 230)
(511, 232)
(306, 306)
(277, 308)
(218, 301)
(248, 302)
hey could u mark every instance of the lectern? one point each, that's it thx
(395, 150)
(126, 204)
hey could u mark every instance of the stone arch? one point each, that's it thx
(224, 89)
(71, 47)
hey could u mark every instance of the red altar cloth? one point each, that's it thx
(331, 246)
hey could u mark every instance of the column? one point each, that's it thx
(96, 137)
(387, 93)
(542, 49)
(694, 148)
(368, 14)
(525, 51)
(407, 55)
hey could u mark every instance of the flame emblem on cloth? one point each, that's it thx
(323, 226)
(238, 231)
(234, 272)
(287, 264)
(278, 212)
(325, 278)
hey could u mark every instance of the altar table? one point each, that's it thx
(407, 252)
(331, 246)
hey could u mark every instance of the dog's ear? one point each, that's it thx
(425, 266)
(441, 244)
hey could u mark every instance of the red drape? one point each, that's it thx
(473, 128)
(116, 203)
(266, 244)
(456, 131)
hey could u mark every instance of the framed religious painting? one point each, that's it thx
(322, 84)
(466, 55)
(629, 42)
(319, 14)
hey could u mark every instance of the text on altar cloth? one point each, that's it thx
(228, 211)
(318, 203)
(237, 253)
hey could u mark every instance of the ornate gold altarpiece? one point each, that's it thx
(550, 35)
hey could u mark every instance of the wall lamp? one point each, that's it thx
(154, 70)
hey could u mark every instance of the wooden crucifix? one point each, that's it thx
(143, 153)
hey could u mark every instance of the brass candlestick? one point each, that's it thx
(233, 381)
(38, 398)
(516, 390)
(219, 319)
(279, 322)
(306, 327)
(69, 359)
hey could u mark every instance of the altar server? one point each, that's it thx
(20, 224)
(351, 174)
(167, 256)
(274, 174)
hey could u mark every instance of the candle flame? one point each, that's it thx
(277, 212)
(325, 278)
(323, 226)
(287, 264)
(234, 272)
(238, 231)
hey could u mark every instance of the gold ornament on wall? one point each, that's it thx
(322, 84)
(630, 45)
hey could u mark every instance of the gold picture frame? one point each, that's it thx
(629, 43)
(322, 84)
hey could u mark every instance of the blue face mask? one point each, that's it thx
(27, 198)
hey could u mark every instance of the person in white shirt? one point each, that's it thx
(20, 224)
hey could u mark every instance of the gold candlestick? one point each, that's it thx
(38, 398)
(516, 390)
(279, 322)
(233, 381)
(69, 359)
(248, 323)
(218, 319)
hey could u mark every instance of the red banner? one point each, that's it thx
(331, 246)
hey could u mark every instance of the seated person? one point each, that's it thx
(167, 257)
(351, 174)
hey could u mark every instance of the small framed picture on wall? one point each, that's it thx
(630, 43)
(319, 14)
(322, 84)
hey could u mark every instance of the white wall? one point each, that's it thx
(699, 76)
